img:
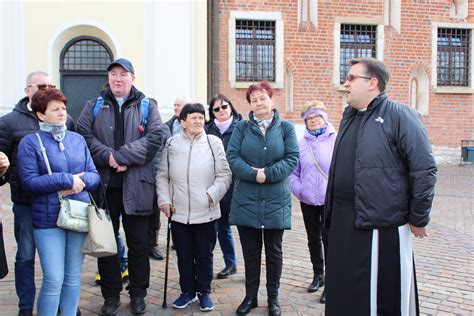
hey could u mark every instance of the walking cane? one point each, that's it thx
(165, 305)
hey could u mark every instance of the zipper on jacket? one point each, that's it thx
(317, 160)
(187, 179)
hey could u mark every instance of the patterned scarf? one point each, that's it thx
(319, 131)
(264, 124)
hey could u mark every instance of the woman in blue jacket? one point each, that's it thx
(262, 153)
(73, 173)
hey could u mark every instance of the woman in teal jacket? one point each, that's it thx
(262, 153)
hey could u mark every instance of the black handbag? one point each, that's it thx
(3, 257)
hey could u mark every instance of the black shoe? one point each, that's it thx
(322, 299)
(155, 253)
(78, 312)
(274, 308)
(245, 307)
(25, 312)
(111, 305)
(229, 270)
(137, 305)
(318, 281)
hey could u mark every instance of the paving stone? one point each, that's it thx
(443, 262)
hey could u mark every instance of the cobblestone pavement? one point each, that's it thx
(444, 263)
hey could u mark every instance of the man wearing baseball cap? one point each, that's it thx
(123, 148)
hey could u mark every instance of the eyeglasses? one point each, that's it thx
(351, 77)
(314, 118)
(42, 86)
(223, 106)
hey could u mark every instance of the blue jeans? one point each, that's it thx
(122, 253)
(61, 258)
(224, 234)
(25, 257)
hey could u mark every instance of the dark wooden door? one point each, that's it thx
(83, 69)
(80, 88)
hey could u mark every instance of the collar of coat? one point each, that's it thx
(350, 111)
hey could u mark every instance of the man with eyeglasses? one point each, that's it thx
(20, 122)
(380, 191)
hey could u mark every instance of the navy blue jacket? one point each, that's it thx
(13, 127)
(43, 187)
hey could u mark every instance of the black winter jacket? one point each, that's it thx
(170, 123)
(212, 129)
(105, 134)
(395, 171)
(13, 127)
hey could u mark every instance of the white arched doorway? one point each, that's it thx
(79, 54)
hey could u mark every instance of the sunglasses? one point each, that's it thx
(223, 106)
(351, 77)
(43, 86)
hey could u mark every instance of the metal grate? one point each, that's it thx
(255, 50)
(453, 57)
(356, 41)
(86, 54)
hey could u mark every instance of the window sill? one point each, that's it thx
(246, 84)
(454, 90)
(340, 88)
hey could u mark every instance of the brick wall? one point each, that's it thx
(309, 53)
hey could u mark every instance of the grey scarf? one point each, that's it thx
(57, 131)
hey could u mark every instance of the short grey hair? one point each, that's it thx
(34, 74)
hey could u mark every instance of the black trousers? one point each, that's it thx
(137, 243)
(3, 257)
(194, 247)
(252, 240)
(313, 222)
(154, 225)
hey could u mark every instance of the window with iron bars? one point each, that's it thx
(356, 41)
(86, 54)
(255, 50)
(454, 47)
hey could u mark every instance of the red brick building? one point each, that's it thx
(301, 46)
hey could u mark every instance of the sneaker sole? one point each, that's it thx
(206, 309)
(184, 306)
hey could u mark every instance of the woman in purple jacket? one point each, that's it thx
(309, 181)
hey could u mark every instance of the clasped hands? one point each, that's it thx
(4, 163)
(261, 177)
(115, 165)
(77, 185)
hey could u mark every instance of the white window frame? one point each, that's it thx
(279, 45)
(379, 42)
(434, 58)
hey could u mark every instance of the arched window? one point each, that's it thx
(414, 93)
(83, 68)
(87, 54)
(419, 91)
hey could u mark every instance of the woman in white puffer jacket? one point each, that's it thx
(193, 177)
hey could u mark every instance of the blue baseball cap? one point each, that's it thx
(124, 63)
